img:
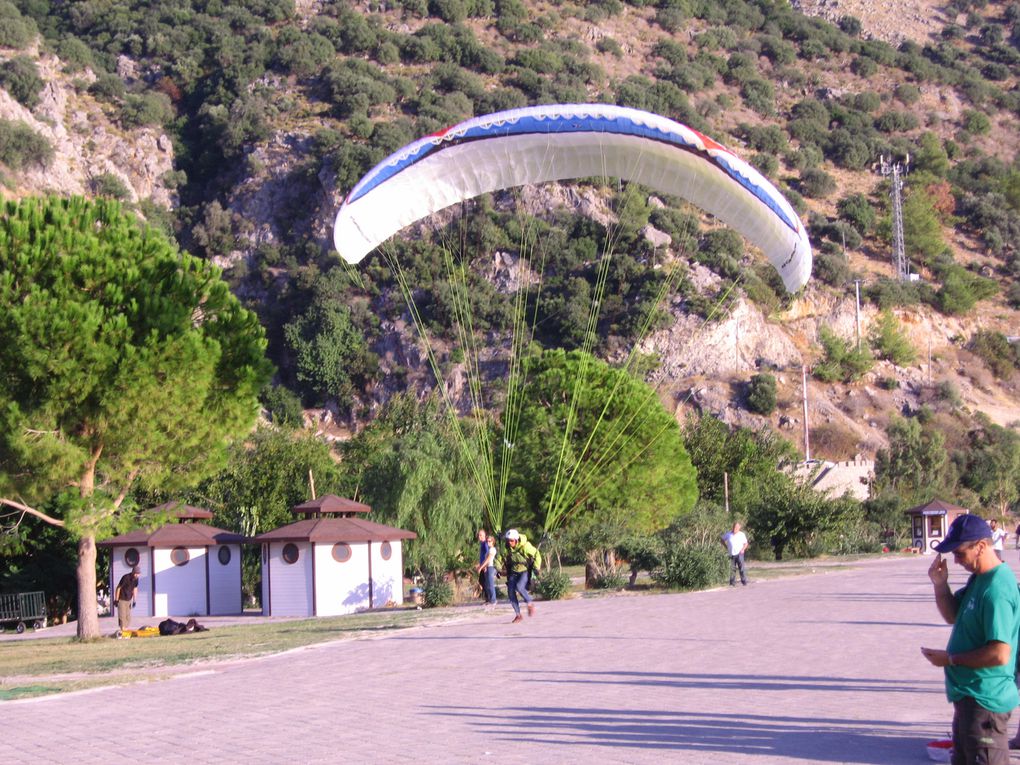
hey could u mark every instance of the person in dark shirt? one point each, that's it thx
(127, 591)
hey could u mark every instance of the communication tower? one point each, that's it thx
(896, 171)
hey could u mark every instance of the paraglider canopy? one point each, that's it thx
(558, 142)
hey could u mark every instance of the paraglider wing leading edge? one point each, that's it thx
(552, 143)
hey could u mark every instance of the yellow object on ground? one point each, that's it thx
(139, 633)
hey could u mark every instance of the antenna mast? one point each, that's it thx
(897, 171)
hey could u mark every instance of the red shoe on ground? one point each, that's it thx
(517, 619)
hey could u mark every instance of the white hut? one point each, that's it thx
(186, 568)
(332, 562)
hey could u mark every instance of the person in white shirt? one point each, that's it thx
(998, 537)
(735, 543)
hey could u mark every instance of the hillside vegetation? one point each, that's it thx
(272, 110)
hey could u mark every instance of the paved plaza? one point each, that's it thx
(818, 668)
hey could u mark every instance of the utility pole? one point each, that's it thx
(929, 361)
(896, 171)
(726, 489)
(807, 442)
(857, 285)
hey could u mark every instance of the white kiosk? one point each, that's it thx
(186, 568)
(930, 522)
(332, 562)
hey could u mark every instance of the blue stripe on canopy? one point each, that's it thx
(533, 121)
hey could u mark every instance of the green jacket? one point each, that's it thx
(519, 558)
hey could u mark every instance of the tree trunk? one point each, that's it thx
(88, 611)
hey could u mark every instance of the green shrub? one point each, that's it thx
(947, 392)
(890, 342)
(611, 580)
(110, 185)
(552, 585)
(759, 95)
(283, 405)
(816, 183)
(961, 290)
(888, 293)
(108, 87)
(992, 347)
(610, 46)
(863, 66)
(20, 146)
(16, 31)
(975, 122)
(437, 593)
(19, 76)
(850, 25)
(843, 361)
(907, 93)
(832, 268)
(75, 54)
(761, 394)
(146, 109)
(692, 567)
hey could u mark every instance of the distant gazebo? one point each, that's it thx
(930, 522)
(331, 562)
(187, 568)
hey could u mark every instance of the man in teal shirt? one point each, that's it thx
(980, 657)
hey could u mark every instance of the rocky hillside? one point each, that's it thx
(704, 365)
(91, 151)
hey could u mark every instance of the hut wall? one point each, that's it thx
(387, 573)
(290, 583)
(180, 589)
(118, 567)
(267, 589)
(341, 586)
(225, 580)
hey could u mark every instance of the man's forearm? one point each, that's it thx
(992, 654)
(946, 603)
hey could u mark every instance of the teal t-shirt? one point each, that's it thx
(988, 608)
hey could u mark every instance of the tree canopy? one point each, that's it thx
(124, 363)
(595, 443)
(407, 465)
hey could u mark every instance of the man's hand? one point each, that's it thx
(938, 572)
(936, 656)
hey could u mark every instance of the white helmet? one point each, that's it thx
(513, 534)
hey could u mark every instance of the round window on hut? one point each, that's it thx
(290, 553)
(131, 556)
(179, 556)
(341, 552)
(385, 550)
(224, 555)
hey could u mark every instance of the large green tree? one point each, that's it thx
(595, 445)
(124, 363)
(266, 475)
(916, 465)
(409, 465)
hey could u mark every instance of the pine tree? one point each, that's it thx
(124, 363)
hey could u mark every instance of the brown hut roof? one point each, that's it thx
(331, 503)
(184, 512)
(937, 507)
(177, 535)
(335, 530)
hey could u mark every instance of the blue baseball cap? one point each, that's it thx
(966, 528)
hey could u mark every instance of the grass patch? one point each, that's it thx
(54, 665)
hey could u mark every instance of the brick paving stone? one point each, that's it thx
(819, 668)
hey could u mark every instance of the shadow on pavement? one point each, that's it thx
(739, 682)
(808, 739)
